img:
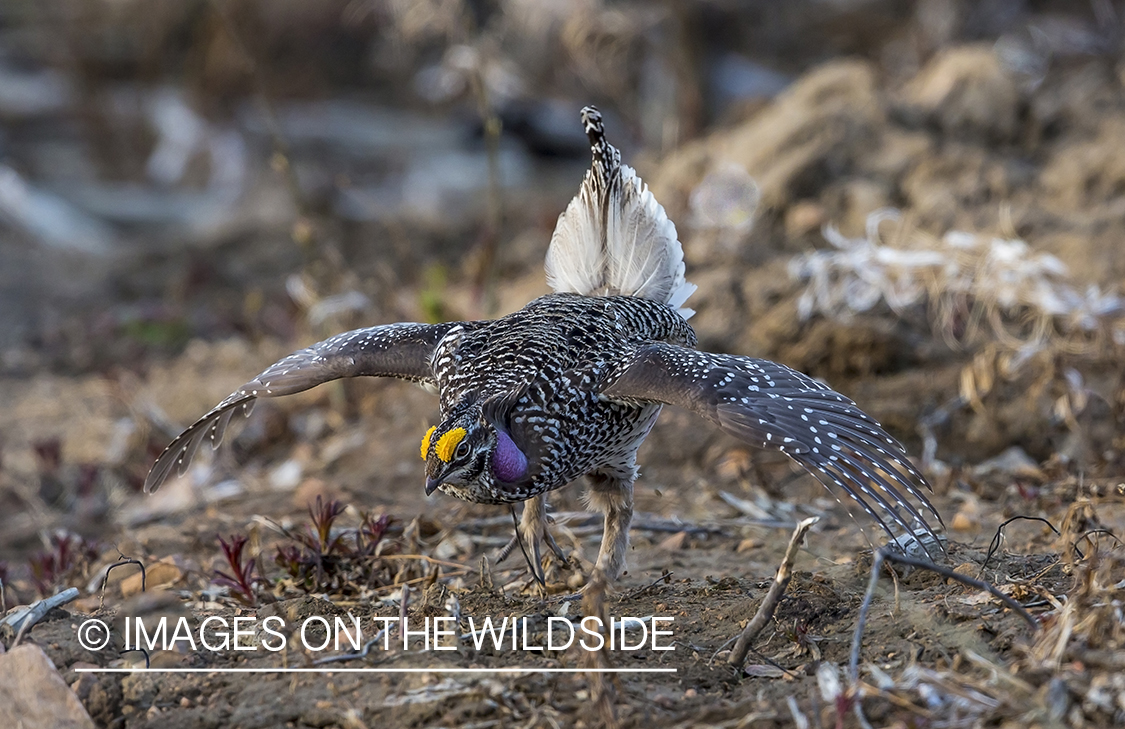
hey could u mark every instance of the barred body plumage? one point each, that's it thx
(539, 372)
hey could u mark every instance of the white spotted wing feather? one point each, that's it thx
(391, 350)
(772, 406)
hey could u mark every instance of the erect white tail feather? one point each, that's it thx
(614, 237)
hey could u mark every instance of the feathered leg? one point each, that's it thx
(612, 494)
(533, 531)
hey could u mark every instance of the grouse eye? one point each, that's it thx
(462, 450)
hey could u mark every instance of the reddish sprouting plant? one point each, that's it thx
(49, 453)
(68, 552)
(320, 561)
(323, 515)
(241, 580)
(370, 533)
(290, 559)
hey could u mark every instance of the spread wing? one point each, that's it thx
(391, 350)
(772, 406)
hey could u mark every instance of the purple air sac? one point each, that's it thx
(508, 463)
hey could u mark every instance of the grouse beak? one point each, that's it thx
(431, 485)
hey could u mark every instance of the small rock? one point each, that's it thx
(965, 522)
(161, 575)
(967, 89)
(804, 217)
(747, 544)
(322, 715)
(968, 569)
(674, 542)
(33, 695)
(286, 476)
(169, 659)
(1013, 461)
(454, 545)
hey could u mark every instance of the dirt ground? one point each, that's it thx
(1012, 407)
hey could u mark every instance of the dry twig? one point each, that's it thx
(122, 563)
(601, 687)
(887, 553)
(23, 621)
(994, 545)
(773, 597)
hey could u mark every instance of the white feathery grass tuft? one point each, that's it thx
(1004, 278)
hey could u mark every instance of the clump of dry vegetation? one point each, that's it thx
(1068, 672)
(1014, 313)
(975, 289)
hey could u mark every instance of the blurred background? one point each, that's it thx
(921, 202)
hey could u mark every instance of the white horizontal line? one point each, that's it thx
(374, 670)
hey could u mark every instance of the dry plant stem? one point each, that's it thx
(362, 653)
(532, 565)
(122, 563)
(857, 637)
(995, 544)
(773, 597)
(426, 559)
(665, 577)
(492, 128)
(403, 603)
(896, 700)
(886, 553)
(413, 581)
(799, 719)
(601, 688)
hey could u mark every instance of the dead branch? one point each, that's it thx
(773, 597)
(880, 556)
(22, 621)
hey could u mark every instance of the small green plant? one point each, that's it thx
(432, 293)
